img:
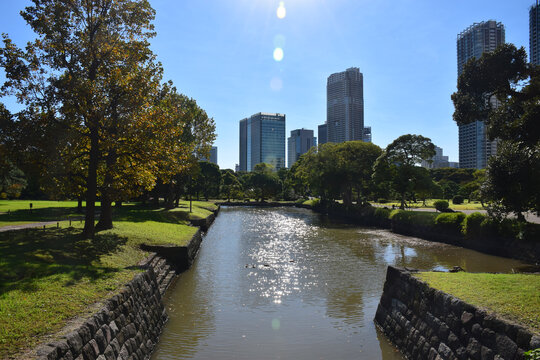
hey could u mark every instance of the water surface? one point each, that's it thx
(286, 283)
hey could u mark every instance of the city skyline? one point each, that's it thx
(224, 57)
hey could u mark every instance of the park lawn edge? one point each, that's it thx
(515, 297)
(55, 300)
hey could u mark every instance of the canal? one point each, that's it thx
(287, 283)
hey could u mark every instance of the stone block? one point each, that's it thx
(100, 340)
(476, 330)
(443, 332)
(75, 342)
(115, 345)
(453, 341)
(466, 318)
(109, 353)
(445, 352)
(84, 333)
(535, 342)
(474, 349)
(523, 338)
(505, 346)
(488, 337)
(486, 353)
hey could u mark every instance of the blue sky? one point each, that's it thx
(220, 52)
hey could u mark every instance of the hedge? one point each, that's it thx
(450, 222)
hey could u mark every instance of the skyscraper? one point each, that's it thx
(474, 147)
(345, 106)
(322, 134)
(534, 33)
(299, 143)
(367, 134)
(213, 155)
(262, 140)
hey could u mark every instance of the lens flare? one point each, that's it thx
(278, 54)
(281, 11)
(276, 324)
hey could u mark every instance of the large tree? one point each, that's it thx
(503, 90)
(79, 71)
(398, 164)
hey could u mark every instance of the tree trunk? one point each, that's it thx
(91, 184)
(402, 206)
(79, 204)
(105, 217)
(521, 217)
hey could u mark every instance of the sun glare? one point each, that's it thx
(278, 54)
(281, 11)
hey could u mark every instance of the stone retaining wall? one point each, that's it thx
(127, 327)
(129, 324)
(425, 323)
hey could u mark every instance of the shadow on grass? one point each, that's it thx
(32, 254)
(140, 213)
(43, 214)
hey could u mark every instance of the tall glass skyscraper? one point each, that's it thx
(534, 33)
(299, 143)
(345, 106)
(262, 140)
(474, 147)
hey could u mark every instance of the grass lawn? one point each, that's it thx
(50, 276)
(473, 205)
(513, 296)
(16, 212)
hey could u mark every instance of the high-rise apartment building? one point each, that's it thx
(534, 33)
(474, 147)
(437, 161)
(213, 155)
(345, 106)
(322, 134)
(366, 137)
(262, 140)
(299, 143)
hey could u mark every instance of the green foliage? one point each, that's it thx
(264, 181)
(532, 354)
(209, 179)
(382, 201)
(413, 218)
(504, 75)
(397, 166)
(472, 226)
(457, 200)
(450, 222)
(441, 205)
(337, 171)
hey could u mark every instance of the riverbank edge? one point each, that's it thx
(526, 251)
(426, 323)
(129, 324)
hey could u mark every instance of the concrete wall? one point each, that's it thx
(425, 323)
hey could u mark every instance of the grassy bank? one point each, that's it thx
(513, 296)
(49, 276)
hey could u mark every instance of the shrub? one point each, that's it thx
(441, 205)
(382, 201)
(450, 222)
(458, 199)
(413, 218)
(382, 213)
(472, 225)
